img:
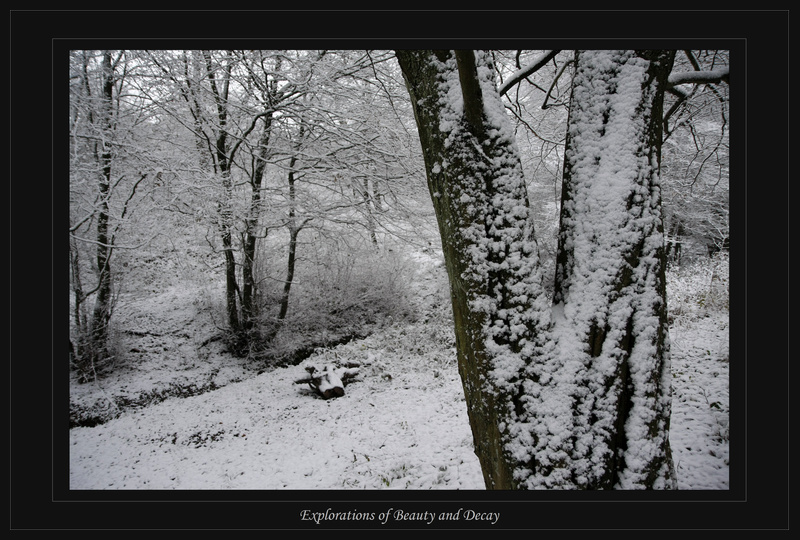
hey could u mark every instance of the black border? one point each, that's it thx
(38, 465)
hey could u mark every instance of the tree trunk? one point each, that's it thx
(290, 264)
(223, 164)
(369, 205)
(478, 192)
(251, 232)
(226, 226)
(574, 396)
(294, 231)
(77, 287)
(610, 290)
(98, 327)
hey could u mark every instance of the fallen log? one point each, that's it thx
(329, 381)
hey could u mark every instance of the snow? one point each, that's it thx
(402, 423)
(266, 433)
(608, 165)
(700, 403)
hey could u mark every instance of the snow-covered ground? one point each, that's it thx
(203, 420)
(699, 432)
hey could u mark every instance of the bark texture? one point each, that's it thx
(101, 314)
(610, 289)
(573, 395)
(476, 185)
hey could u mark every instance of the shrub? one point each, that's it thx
(700, 288)
(336, 295)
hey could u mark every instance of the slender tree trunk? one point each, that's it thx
(79, 347)
(225, 211)
(77, 287)
(101, 314)
(294, 231)
(290, 264)
(368, 198)
(251, 231)
(226, 226)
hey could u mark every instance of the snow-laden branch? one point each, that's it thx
(111, 245)
(699, 77)
(530, 69)
(691, 77)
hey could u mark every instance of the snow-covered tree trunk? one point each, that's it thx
(573, 397)
(101, 314)
(610, 313)
(480, 198)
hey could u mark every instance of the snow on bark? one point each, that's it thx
(576, 393)
(502, 251)
(487, 233)
(515, 304)
(611, 367)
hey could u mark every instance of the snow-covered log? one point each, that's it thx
(329, 381)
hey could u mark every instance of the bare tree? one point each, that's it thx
(231, 98)
(104, 189)
(696, 155)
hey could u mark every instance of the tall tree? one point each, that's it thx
(231, 98)
(577, 395)
(223, 151)
(262, 74)
(479, 195)
(98, 327)
(610, 289)
(103, 187)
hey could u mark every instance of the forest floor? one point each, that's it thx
(180, 413)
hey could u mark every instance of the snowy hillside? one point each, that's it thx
(181, 414)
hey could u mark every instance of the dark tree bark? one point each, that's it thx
(249, 310)
(101, 314)
(294, 231)
(294, 226)
(476, 185)
(223, 164)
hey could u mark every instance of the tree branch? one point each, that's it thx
(530, 69)
(698, 77)
(470, 88)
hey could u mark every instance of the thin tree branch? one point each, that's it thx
(530, 69)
